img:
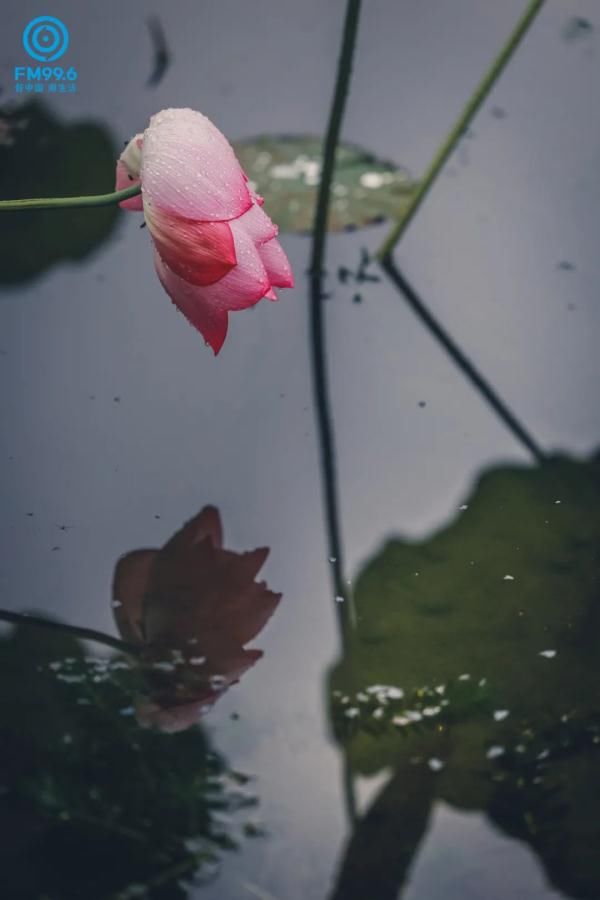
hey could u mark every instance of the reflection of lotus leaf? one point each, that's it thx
(92, 805)
(41, 157)
(508, 592)
(286, 171)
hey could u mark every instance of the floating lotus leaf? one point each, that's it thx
(502, 602)
(42, 157)
(286, 172)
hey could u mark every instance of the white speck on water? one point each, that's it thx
(520, 748)
(352, 712)
(495, 751)
(400, 721)
(482, 682)
(116, 603)
(501, 714)
(509, 578)
(163, 666)
(362, 698)
(558, 501)
(378, 713)
(436, 765)
(464, 506)
(332, 559)
(127, 711)
(431, 710)
(549, 654)
(544, 754)
(440, 689)
(385, 692)
(464, 677)
(197, 660)
(339, 599)
(67, 739)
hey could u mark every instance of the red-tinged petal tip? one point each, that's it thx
(199, 252)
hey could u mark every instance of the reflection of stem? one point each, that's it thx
(317, 325)
(458, 129)
(169, 874)
(86, 634)
(70, 202)
(464, 364)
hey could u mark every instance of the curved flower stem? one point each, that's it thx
(459, 128)
(72, 202)
(85, 634)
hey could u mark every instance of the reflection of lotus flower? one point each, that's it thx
(215, 248)
(192, 606)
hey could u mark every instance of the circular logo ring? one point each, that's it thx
(46, 38)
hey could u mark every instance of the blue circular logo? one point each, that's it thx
(46, 38)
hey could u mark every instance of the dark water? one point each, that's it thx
(310, 778)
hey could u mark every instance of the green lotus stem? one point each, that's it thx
(72, 202)
(85, 634)
(459, 128)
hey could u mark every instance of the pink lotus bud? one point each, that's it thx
(216, 250)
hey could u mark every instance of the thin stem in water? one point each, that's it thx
(85, 634)
(317, 324)
(72, 202)
(458, 129)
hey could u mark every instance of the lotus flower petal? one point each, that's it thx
(199, 252)
(258, 225)
(210, 321)
(277, 264)
(189, 167)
